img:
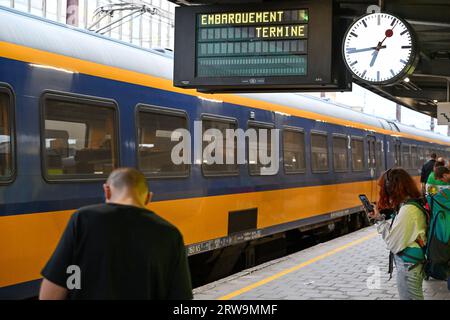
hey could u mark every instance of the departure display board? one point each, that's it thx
(270, 46)
(252, 44)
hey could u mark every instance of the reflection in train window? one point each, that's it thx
(6, 160)
(340, 155)
(357, 154)
(319, 152)
(214, 137)
(155, 128)
(262, 131)
(294, 151)
(406, 157)
(80, 138)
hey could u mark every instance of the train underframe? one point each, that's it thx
(216, 264)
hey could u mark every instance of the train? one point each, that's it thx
(75, 104)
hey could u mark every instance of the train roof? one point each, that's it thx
(27, 30)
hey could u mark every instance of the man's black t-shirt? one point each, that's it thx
(123, 252)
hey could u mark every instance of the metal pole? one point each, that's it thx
(72, 13)
(44, 8)
(398, 113)
(448, 90)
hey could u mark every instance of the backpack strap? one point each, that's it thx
(419, 206)
(443, 194)
(391, 254)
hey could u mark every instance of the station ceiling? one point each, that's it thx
(430, 19)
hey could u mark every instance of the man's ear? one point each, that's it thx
(149, 197)
(107, 192)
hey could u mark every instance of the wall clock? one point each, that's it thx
(380, 48)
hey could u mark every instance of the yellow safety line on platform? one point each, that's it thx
(295, 268)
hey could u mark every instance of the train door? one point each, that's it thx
(372, 164)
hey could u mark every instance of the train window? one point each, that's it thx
(379, 156)
(214, 130)
(420, 155)
(414, 158)
(340, 154)
(357, 154)
(319, 152)
(428, 153)
(406, 157)
(80, 140)
(155, 127)
(294, 151)
(261, 129)
(6, 157)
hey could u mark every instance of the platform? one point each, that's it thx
(350, 267)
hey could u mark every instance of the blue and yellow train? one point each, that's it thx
(74, 105)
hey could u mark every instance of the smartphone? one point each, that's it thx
(366, 203)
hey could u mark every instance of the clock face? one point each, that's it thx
(379, 48)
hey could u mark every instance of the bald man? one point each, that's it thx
(118, 250)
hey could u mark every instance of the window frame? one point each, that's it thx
(264, 125)
(297, 130)
(325, 134)
(223, 119)
(346, 137)
(11, 110)
(76, 98)
(150, 108)
(358, 138)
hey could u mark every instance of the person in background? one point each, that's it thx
(442, 173)
(427, 168)
(434, 185)
(121, 249)
(405, 235)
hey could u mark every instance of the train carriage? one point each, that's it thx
(74, 105)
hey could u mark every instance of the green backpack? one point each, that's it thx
(438, 246)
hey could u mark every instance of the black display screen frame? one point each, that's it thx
(325, 68)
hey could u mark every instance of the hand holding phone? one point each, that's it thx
(372, 212)
(366, 203)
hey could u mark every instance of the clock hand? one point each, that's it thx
(388, 33)
(374, 57)
(354, 50)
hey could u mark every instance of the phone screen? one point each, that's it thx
(366, 203)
